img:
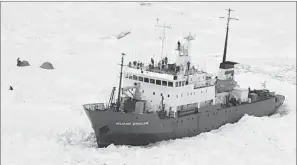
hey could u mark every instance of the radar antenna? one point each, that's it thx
(264, 84)
(189, 38)
(162, 38)
(120, 84)
(227, 31)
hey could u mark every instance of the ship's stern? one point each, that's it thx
(279, 100)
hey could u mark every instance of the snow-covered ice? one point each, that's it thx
(42, 120)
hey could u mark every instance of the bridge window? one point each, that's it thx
(170, 84)
(152, 81)
(126, 75)
(140, 78)
(158, 82)
(164, 83)
(183, 84)
(176, 84)
(179, 83)
(134, 77)
(130, 77)
(146, 80)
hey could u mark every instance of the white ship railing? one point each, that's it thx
(95, 106)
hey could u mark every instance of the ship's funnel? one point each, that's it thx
(226, 71)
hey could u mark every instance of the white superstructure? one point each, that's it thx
(180, 84)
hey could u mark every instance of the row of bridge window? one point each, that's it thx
(154, 81)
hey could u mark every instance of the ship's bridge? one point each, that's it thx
(178, 89)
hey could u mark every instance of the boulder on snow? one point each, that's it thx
(47, 65)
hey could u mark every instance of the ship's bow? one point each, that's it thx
(120, 128)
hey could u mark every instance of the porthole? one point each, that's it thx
(168, 95)
(153, 93)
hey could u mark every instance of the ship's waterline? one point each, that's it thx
(125, 133)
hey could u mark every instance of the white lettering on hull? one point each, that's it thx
(132, 123)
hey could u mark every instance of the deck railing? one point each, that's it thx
(95, 106)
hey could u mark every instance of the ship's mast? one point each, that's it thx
(111, 100)
(227, 32)
(120, 84)
(162, 38)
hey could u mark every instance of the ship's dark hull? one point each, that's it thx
(121, 128)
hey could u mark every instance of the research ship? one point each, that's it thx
(162, 101)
